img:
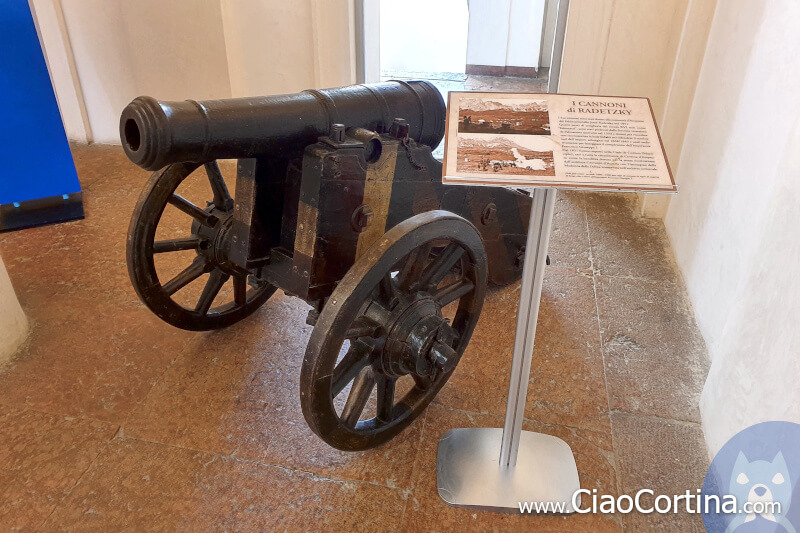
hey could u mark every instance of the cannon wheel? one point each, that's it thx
(384, 323)
(208, 227)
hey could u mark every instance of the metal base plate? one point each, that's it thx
(469, 474)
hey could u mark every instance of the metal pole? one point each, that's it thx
(527, 316)
(361, 44)
(532, 466)
(532, 278)
(559, 37)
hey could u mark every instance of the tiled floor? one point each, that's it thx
(110, 419)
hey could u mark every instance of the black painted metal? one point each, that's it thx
(155, 133)
(42, 211)
(390, 307)
(208, 226)
(338, 201)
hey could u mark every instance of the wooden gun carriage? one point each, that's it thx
(338, 201)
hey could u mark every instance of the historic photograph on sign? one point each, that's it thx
(505, 154)
(479, 115)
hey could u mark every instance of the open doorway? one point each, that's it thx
(460, 45)
(455, 40)
(423, 39)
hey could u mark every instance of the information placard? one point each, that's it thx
(554, 140)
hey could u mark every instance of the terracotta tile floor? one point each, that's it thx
(110, 419)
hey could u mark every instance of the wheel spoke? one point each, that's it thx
(187, 275)
(176, 245)
(353, 362)
(385, 398)
(222, 198)
(387, 289)
(359, 396)
(453, 292)
(215, 282)
(440, 266)
(363, 327)
(448, 335)
(240, 290)
(377, 313)
(423, 382)
(413, 267)
(192, 210)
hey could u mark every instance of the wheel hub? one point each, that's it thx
(417, 340)
(215, 242)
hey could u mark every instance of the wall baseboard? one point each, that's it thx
(522, 72)
(500, 71)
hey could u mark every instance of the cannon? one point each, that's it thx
(338, 201)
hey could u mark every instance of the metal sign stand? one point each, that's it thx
(500, 468)
(532, 467)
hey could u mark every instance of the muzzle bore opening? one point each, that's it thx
(133, 137)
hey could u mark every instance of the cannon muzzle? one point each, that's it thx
(155, 133)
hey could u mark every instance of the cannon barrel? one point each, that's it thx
(155, 133)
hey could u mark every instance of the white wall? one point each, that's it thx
(14, 325)
(488, 32)
(651, 48)
(371, 35)
(271, 32)
(733, 225)
(680, 93)
(641, 50)
(174, 50)
(684, 77)
(276, 47)
(505, 32)
(623, 47)
(57, 50)
(333, 35)
(525, 21)
(423, 36)
(198, 49)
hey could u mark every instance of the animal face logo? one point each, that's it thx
(765, 486)
(755, 481)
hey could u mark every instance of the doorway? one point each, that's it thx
(423, 39)
(451, 40)
(458, 45)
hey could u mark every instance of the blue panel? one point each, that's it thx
(35, 161)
